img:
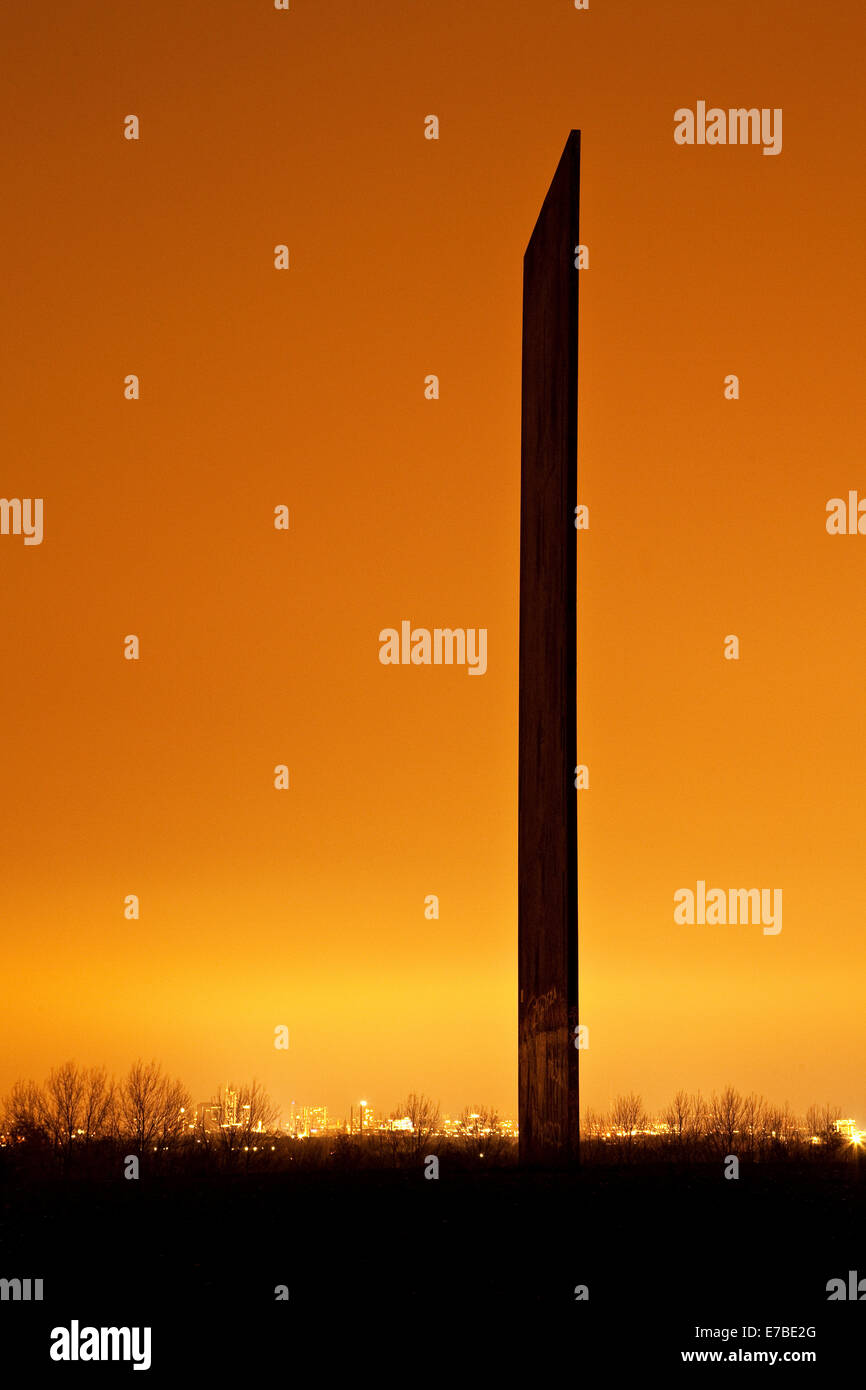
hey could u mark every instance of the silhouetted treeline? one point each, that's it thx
(81, 1116)
(700, 1129)
(81, 1121)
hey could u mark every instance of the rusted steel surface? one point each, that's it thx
(547, 816)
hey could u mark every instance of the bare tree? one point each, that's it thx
(725, 1120)
(424, 1115)
(149, 1106)
(754, 1127)
(678, 1117)
(242, 1113)
(140, 1108)
(64, 1106)
(627, 1118)
(686, 1120)
(24, 1112)
(699, 1120)
(97, 1103)
(175, 1114)
(781, 1133)
(821, 1125)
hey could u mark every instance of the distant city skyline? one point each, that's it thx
(249, 1108)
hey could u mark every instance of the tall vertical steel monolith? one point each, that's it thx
(547, 815)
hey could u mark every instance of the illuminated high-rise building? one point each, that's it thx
(207, 1115)
(230, 1108)
(315, 1119)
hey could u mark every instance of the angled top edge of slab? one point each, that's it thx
(567, 168)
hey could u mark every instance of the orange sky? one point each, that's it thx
(305, 387)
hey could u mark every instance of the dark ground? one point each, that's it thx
(380, 1261)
